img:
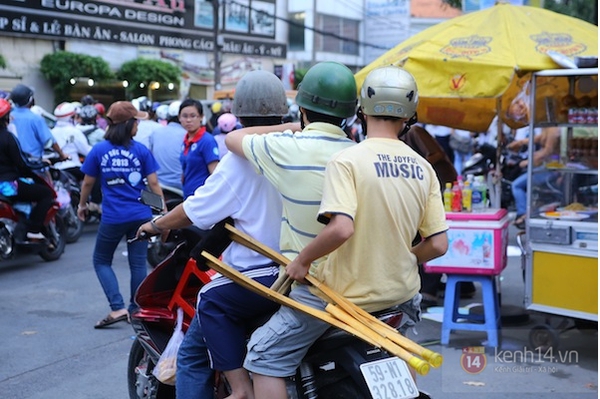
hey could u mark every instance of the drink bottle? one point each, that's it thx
(448, 197)
(456, 198)
(466, 197)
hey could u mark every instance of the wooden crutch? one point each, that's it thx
(360, 331)
(435, 359)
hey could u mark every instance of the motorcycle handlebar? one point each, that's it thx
(142, 237)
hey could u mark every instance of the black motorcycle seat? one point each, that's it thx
(7, 199)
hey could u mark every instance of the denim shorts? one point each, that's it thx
(277, 348)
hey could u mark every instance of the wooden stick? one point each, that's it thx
(421, 366)
(283, 282)
(363, 333)
(387, 331)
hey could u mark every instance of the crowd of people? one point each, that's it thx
(246, 161)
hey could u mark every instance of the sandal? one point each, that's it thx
(108, 320)
(519, 222)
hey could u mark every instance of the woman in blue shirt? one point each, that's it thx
(200, 152)
(121, 164)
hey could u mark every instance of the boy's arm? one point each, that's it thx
(339, 229)
(234, 139)
(430, 248)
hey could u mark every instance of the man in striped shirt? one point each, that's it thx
(294, 162)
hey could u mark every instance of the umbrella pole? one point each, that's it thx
(497, 202)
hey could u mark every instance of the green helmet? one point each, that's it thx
(328, 88)
(389, 91)
(259, 94)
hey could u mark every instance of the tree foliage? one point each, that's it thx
(144, 70)
(2, 62)
(60, 67)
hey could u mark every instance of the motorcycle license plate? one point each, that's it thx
(389, 378)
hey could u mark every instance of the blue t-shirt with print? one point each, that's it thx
(194, 164)
(121, 171)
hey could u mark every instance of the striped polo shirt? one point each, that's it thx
(295, 164)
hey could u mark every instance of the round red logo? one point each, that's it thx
(473, 359)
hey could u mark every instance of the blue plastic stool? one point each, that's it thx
(488, 322)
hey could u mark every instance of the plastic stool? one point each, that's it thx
(489, 321)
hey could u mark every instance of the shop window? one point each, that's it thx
(337, 28)
(296, 31)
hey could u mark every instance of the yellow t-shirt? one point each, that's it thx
(391, 193)
(295, 164)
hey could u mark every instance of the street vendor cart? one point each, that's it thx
(561, 251)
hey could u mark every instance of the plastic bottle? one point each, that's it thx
(456, 198)
(459, 180)
(448, 197)
(477, 195)
(483, 188)
(467, 194)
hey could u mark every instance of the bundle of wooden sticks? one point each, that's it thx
(340, 312)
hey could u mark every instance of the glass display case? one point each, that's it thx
(562, 194)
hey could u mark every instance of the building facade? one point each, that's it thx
(274, 35)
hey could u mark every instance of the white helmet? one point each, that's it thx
(174, 109)
(77, 106)
(389, 91)
(162, 111)
(64, 110)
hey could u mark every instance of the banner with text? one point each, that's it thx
(179, 24)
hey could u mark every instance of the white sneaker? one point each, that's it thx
(35, 236)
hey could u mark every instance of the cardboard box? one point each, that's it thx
(477, 243)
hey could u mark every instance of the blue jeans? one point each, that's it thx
(519, 187)
(108, 238)
(195, 378)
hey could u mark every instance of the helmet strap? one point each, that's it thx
(413, 119)
(361, 117)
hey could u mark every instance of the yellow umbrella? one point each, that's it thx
(469, 68)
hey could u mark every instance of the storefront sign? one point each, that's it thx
(178, 24)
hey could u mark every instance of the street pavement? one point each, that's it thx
(50, 349)
(515, 369)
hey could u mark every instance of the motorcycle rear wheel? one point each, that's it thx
(140, 362)
(74, 224)
(56, 233)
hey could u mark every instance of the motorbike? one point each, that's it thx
(158, 250)
(68, 193)
(13, 229)
(331, 369)
(67, 190)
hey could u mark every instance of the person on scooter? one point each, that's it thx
(327, 96)
(364, 202)
(16, 177)
(121, 164)
(34, 135)
(70, 139)
(224, 308)
(88, 117)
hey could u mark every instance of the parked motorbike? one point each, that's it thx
(13, 230)
(331, 369)
(158, 250)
